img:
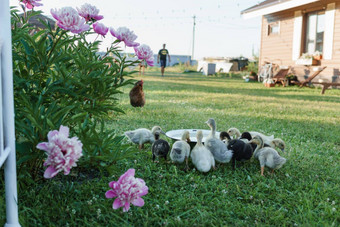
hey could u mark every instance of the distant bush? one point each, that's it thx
(253, 67)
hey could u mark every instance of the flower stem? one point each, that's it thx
(53, 47)
(96, 38)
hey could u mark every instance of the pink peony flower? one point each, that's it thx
(144, 53)
(31, 3)
(127, 189)
(89, 12)
(125, 35)
(100, 28)
(68, 19)
(62, 152)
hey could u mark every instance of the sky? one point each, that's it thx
(220, 30)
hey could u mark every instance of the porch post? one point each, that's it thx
(297, 35)
(329, 31)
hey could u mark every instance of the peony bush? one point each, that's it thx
(60, 79)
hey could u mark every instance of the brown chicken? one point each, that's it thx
(137, 98)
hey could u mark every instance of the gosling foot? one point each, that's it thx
(262, 170)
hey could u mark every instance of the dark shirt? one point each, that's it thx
(163, 53)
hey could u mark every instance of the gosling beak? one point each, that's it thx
(283, 150)
(163, 132)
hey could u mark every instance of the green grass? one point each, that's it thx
(304, 192)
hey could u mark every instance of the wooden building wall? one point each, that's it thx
(277, 48)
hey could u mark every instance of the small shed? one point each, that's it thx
(241, 63)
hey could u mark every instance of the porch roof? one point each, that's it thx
(272, 6)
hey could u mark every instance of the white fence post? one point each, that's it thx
(7, 108)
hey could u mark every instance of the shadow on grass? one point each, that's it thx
(256, 89)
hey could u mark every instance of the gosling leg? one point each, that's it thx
(262, 170)
(233, 163)
(186, 164)
(165, 159)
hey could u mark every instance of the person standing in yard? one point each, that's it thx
(162, 55)
(142, 67)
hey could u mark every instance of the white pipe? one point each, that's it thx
(4, 155)
(12, 219)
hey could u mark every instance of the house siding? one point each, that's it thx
(277, 48)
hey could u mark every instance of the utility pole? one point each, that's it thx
(252, 51)
(193, 39)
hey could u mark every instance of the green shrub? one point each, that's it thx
(253, 67)
(59, 79)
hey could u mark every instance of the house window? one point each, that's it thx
(315, 23)
(274, 28)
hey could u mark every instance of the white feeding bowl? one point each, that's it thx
(177, 134)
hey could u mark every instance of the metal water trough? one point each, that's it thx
(176, 135)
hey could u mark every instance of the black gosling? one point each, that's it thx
(160, 148)
(241, 151)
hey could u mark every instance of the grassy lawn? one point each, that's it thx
(304, 192)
